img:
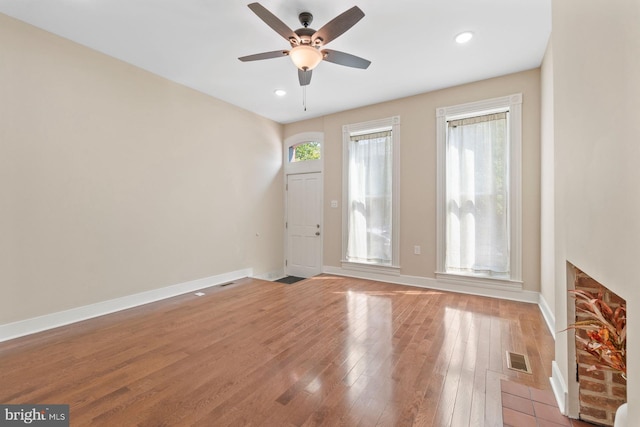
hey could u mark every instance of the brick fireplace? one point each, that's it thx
(601, 392)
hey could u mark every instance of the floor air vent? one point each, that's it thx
(518, 362)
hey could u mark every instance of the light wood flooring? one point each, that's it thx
(325, 351)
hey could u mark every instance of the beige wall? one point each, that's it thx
(596, 63)
(418, 168)
(115, 181)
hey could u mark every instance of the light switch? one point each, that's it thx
(334, 203)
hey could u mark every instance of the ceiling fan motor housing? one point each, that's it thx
(305, 35)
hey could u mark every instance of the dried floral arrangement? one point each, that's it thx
(606, 330)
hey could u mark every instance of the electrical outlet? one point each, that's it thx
(416, 250)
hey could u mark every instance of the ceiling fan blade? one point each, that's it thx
(273, 21)
(304, 77)
(345, 59)
(264, 55)
(338, 25)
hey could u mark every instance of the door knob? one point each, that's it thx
(317, 233)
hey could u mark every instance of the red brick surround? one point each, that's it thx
(601, 392)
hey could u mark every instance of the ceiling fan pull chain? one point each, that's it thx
(304, 97)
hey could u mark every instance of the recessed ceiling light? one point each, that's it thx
(280, 92)
(464, 37)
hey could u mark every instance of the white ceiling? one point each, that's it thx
(410, 43)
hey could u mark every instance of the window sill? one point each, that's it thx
(480, 280)
(371, 268)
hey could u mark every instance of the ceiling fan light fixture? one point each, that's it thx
(305, 57)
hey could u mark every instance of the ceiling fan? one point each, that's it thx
(307, 45)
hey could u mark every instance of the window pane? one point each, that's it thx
(477, 196)
(304, 151)
(370, 199)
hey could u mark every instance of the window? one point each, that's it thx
(304, 151)
(370, 194)
(479, 162)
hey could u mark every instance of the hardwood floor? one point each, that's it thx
(325, 351)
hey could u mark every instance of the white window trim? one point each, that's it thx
(392, 123)
(308, 165)
(513, 104)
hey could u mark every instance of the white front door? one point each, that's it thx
(304, 225)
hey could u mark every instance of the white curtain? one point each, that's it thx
(477, 194)
(369, 198)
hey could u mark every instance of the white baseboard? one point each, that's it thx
(559, 386)
(271, 275)
(49, 321)
(548, 315)
(441, 285)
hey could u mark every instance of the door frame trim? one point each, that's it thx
(300, 168)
